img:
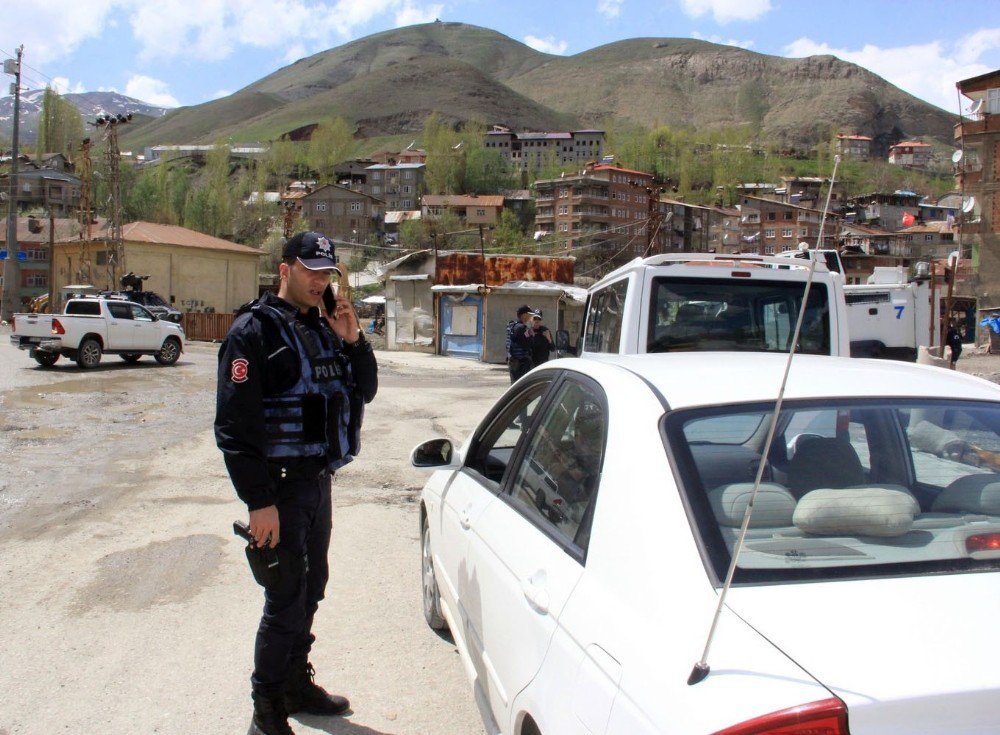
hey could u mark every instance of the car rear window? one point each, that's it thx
(735, 314)
(87, 308)
(849, 488)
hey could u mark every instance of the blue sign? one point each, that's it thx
(3, 255)
(22, 256)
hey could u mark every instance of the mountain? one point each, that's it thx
(655, 81)
(90, 104)
(388, 84)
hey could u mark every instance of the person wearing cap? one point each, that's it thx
(520, 342)
(293, 380)
(542, 344)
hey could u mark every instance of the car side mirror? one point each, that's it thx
(432, 453)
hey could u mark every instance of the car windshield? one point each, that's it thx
(849, 487)
(735, 314)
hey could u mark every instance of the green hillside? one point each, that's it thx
(388, 83)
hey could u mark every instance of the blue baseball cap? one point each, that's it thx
(313, 250)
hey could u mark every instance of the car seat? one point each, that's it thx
(824, 462)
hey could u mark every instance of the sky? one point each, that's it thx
(185, 52)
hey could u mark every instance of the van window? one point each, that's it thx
(729, 314)
(88, 308)
(604, 318)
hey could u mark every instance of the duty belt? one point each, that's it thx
(297, 470)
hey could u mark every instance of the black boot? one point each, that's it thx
(269, 715)
(302, 694)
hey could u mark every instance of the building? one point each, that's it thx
(398, 185)
(854, 146)
(459, 303)
(809, 191)
(887, 211)
(195, 272)
(533, 151)
(977, 175)
(867, 240)
(51, 189)
(724, 230)
(472, 210)
(35, 236)
(768, 227)
(930, 240)
(341, 213)
(910, 153)
(616, 207)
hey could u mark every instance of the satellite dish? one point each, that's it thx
(976, 107)
(956, 156)
(969, 204)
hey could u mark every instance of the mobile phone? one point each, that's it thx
(330, 302)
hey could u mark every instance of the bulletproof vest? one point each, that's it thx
(311, 417)
(513, 348)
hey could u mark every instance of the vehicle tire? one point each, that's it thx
(131, 358)
(89, 354)
(431, 595)
(170, 352)
(46, 359)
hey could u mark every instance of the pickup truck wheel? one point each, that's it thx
(46, 359)
(89, 354)
(169, 352)
(131, 358)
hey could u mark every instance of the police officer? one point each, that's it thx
(293, 381)
(520, 343)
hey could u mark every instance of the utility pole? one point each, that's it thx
(116, 257)
(12, 266)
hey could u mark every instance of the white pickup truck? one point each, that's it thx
(698, 302)
(92, 326)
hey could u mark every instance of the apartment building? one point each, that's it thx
(854, 146)
(910, 153)
(471, 209)
(343, 214)
(768, 227)
(929, 240)
(399, 185)
(532, 151)
(604, 204)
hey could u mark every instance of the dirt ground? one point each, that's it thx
(127, 604)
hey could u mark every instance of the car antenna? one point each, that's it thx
(702, 669)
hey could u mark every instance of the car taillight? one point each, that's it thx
(982, 542)
(825, 717)
(57, 328)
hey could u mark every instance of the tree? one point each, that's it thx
(444, 171)
(331, 143)
(60, 127)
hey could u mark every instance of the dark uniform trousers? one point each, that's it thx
(285, 632)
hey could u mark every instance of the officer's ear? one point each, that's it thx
(283, 270)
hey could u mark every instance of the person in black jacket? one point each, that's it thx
(292, 385)
(520, 343)
(954, 340)
(542, 344)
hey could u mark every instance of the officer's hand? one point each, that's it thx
(343, 321)
(264, 524)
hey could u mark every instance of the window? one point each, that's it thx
(376, 190)
(140, 314)
(376, 175)
(120, 311)
(902, 485)
(992, 101)
(407, 175)
(771, 216)
(788, 215)
(357, 206)
(480, 212)
(85, 306)
(604, 318)
(320, 206)
(407, 189)
(36, 281)
(492, 451)
(787, 232)
(557, 480)
(769, 250)
(769, 234)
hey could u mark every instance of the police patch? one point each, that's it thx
(239, 370)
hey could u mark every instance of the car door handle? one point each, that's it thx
(536, 595)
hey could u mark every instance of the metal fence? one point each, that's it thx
(206, 327)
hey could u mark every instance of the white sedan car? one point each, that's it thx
(576, 545)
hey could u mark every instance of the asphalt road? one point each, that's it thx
(126, 603)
